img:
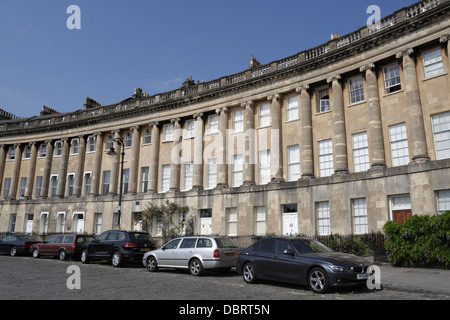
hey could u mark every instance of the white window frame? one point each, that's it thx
(211, 173)
(147, 138)
(238, 120)
(441, 134)
(264, 119)
(165, 177)
(398, 138)
(106, 173)
(326, 163)
(74, 146)
(128, 141)
(360, 144)
(356, 89)
(85, 184)
(22, 186)
(260, 221)
(264, 166)
(144, 179)
(232, 221)
(293, 159)
(53, 189)
(323, 218)
(68, 187)
(58, 149)
(237, 170)
(392, 80)
(360, 218)
(43, 222)
(433, 63)
(189, 131)
(167, 132)
(188, 175)
(61, 223)
(90, 142)
(213, 124)
(443, 200)
(292, 108)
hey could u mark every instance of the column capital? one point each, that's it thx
(336, 77)
(98, 133)
(247, 103)
(304, 87)
(198, 115)
(153, 123)
(136, 127)
(275, 96)
(175, 120)
(404, 53)
(367, 66)
(444, 38)
(221, 110)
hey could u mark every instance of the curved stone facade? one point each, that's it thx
(339, 138)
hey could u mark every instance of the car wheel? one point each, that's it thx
(35, 253)
(84, 256)
(116, 259)
(62, 255)
(13, 251)
(151, 264)
(249, 273)
(195, 267)
(318, 280)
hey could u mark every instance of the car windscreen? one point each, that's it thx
(225, 243)
(27, 238)
(139, 236)
(310, 246)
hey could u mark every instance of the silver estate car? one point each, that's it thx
(194, 253)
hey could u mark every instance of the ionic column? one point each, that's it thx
(306, 147)
(154, 159)
(31, 170)
(376, 142)
(78, 183)
(132, 183)
(340, 140)
(96, 172)
(222, 168)
(276, 150)
(16, 170)
(198, 153)
(63, 169)
(415, 115)
(115, 164)
(249, 156)
(445, 39)
(175, 165)
(47, 168)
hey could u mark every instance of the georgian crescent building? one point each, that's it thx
(340, 138)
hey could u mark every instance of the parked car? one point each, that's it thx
(195, 254)
(61, 245)
(118, 246)
(16, 244)
(303, 261)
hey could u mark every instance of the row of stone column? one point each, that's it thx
(376, 141)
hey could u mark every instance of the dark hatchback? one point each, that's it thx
(303, 261)
(15, 244)
(118, 246)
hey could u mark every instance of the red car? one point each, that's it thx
(61, 245)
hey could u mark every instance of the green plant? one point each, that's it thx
(169, 219)
(421, 240)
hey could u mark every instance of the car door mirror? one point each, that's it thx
(96, 240)
(289, 252)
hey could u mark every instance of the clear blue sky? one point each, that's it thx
(152, 44)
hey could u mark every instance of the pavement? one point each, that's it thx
(423, 280)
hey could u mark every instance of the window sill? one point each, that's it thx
(434, 77)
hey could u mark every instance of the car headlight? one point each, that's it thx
(338, 268)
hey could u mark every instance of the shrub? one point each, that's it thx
(421, 240)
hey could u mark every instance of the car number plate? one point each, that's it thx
(145, 249)
(229, 254)
(362, 276)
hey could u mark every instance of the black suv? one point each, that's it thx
(119, 246)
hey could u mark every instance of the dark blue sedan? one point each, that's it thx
(17, 244)
(301, 260)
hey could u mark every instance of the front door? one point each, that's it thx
(290, 224)
(205, 226)
(400, 216)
